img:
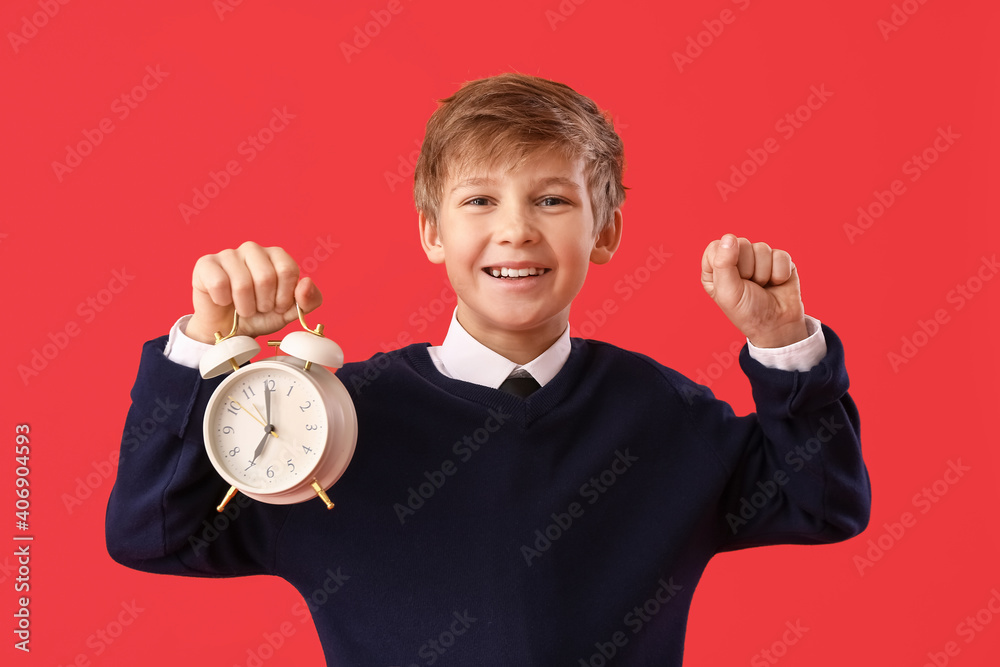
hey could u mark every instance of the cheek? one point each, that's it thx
(460, 275)
(578, 255)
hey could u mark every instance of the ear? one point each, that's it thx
(607, 240)
(430, 238)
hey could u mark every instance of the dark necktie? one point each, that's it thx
(520, 386)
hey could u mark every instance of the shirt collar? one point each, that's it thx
(465, 358)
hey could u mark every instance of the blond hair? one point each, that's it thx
(500, 121)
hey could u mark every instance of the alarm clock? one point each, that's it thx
(281, 430)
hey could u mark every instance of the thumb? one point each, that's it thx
(726, 274)
(308, 296)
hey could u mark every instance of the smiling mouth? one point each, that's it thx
(503, 272)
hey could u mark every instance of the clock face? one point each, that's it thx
(267, 427)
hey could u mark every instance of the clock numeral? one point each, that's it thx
(307, 450)
(290, 390)
(233, 407)
(270, 473)
(311, 427)
(234, 451)
(250, 395)
(291, 465)
(305, 407)
(252, 464)
(269, 385)
(228, 429)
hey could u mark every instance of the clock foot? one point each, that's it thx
(229, 496)
(322, 494)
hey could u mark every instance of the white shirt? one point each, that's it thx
(462, 357)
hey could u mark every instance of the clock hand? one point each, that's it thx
(273, 432)
(245, 410)
(260, 447)
(270, 426)
(267, 402)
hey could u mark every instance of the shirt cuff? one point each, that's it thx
(800, 356)
(183, 350)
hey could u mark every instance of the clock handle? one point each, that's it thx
(302, 320)
(236, 323)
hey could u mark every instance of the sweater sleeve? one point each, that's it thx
(795, 473)
(161, 514)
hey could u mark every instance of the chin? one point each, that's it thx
(511, 322)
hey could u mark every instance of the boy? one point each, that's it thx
(572, 519)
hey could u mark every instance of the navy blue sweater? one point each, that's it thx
(477, 528)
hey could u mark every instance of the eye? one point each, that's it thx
(553, 201)
(478, 201)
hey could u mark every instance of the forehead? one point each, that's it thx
(539, 168)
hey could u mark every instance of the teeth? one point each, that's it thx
(505, 272)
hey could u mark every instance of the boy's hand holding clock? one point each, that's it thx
(300, 442)
(262, 284)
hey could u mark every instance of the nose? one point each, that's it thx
(517, 226)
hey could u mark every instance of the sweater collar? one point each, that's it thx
(525, 411)
(462, 357)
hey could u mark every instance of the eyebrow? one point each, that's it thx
(542, 182)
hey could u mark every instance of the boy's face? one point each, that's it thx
(536, 220)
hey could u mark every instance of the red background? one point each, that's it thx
(324, 177)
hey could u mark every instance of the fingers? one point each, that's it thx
(763, 263)
(720, 270)
(729, 261)
(286, 271)
(210, 278)
(251, 278)
(782, 267)
(753, 261)
(745, 264)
